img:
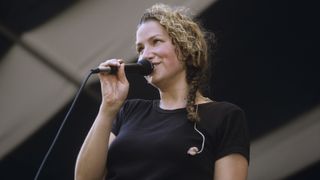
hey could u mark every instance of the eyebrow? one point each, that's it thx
(152, 37)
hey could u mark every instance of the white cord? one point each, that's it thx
(194, 150)
(203, 138)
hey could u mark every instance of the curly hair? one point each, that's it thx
(189, 39)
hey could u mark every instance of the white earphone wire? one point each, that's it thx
(194, 150)
(203, 138)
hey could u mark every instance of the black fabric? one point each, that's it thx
(152, 143)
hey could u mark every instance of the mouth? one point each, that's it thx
(155, 63)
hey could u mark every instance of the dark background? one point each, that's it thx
(264, 62)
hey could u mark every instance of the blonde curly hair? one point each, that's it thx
(191, 47)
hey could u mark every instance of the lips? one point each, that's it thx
(154, 64)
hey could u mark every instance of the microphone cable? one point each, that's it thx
(62, 124)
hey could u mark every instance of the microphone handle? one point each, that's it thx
(128, 68)
(108, 70)
(143, 67)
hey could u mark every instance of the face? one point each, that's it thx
(154, 44)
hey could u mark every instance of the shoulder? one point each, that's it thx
(218, 116)
(222, 108)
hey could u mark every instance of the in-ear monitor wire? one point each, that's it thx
(194, 150)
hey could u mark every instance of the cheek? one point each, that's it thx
(166, 50)
(175, 65)
(170, 53)
(174, 57)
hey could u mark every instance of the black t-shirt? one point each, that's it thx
(152, 143)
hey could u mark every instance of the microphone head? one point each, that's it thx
(146, 67)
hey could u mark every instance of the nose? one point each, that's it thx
(147, 54)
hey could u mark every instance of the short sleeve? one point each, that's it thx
(234, 134)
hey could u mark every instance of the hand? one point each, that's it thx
(114, 87)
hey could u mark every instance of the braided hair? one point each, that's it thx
(191, 47)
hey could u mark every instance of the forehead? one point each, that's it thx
(150, 29)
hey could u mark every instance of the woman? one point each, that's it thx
(183, 135)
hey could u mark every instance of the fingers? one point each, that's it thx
(111, 63)
(114, 86)
(117, 70)
(121, 73)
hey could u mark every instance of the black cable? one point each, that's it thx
(62, 124)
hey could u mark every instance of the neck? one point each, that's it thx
(173, 99)
(178, 99)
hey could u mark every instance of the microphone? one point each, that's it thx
(142, 67)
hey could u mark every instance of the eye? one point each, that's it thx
(155, 41)
(139, 49)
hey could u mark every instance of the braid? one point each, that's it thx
(193, 79)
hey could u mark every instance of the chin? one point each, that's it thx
(151, 80)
